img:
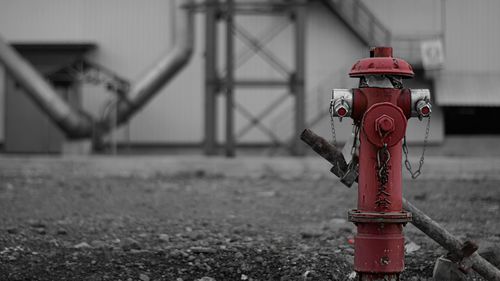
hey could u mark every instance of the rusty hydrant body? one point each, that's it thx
(380, 108)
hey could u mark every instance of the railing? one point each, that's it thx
(358, 17)
(361, 20)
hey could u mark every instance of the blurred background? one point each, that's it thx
(277, 61)
(162, 83)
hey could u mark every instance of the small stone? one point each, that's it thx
(143, 235)
(12, 230)
(83, 245)
(203, 250)
(134, 251)
(349, 259)
(244, 277)
(411, 247)
(98, 244)
(310, 233)
(144, 277)
(200, 173)
(36, 223)
(40, 230)
(349, 251)
(164, 237)
(129, 244)
(239, 255)
(309, 275)
(421, 197)
(195, 235)
(444, 269)
(491, 252)
(266, 193)
(352, 275)
(206, 278)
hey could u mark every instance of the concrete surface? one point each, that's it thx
(435, 167)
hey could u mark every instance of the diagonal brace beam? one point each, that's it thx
(257, 123)
(262, 114)
(261, 50)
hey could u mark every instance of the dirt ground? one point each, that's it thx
(62, 221)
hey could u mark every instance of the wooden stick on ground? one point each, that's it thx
(423, 222)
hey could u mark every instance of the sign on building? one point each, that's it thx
(432, 54)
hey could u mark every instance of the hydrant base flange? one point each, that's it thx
(357, 216)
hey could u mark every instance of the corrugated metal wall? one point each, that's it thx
(472, 36)
(132, 34)
(471, 43)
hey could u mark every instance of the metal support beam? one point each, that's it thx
(255, 45)
(261, 83)
(299, 77)
(230, 141)
(262, 51)
(211, 84)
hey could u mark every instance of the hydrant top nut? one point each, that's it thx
(384, 125)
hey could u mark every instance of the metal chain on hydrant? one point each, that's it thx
(383, 158)
(332, 124)
(408, 166)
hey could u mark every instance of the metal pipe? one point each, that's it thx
(75, 124)
(160, 74)
(420, 219)
(298, 80)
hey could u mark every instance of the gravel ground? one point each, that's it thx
(74, 220)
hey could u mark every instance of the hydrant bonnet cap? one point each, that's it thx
(381, 62)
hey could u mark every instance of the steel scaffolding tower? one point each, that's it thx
(225, 11)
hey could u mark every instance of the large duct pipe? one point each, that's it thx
(160, 74)
(73, 123)
(78, 125)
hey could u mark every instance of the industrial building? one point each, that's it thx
(452, 45)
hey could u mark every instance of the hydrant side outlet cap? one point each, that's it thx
(382, 62)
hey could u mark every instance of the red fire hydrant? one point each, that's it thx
(380, 108)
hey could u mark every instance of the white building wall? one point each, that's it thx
(471, 43)
(131, 36)
(470, 28)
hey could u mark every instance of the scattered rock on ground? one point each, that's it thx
(98, 244)
(205, 278)
(411, 247)
(36, 223)
(144, 277)
(130, 244)
(164, 237)
(491, 252)
(82, 245)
